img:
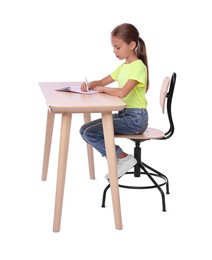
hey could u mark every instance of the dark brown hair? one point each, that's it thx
(128, 33)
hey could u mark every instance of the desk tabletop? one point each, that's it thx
(59, 101)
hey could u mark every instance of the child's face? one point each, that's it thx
(121, 49)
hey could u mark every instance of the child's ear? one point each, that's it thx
(132, 45)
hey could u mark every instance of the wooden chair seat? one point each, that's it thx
(150, 133)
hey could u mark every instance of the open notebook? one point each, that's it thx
(76, 89)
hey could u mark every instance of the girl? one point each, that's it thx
(133, 82)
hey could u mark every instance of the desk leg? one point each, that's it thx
(87, 118)
(48, 142)
(111, 159)
(63, 155)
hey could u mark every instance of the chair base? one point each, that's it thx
(142, 168)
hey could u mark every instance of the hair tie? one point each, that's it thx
(139, 41)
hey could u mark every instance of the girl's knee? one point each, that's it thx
(82, 130)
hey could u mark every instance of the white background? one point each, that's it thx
(65, 41)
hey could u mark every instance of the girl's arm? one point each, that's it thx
(98, 83)
(103, 82)
(118, 92)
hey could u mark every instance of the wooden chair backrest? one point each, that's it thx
(163, 92)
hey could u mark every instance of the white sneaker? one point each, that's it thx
(124, 165)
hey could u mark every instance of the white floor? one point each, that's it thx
(87, 229)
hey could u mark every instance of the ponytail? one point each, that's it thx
(142, 55)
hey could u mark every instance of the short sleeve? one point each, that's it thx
(138, 73)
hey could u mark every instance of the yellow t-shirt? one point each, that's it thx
(137, 71)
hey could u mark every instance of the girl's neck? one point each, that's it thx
(131, 59)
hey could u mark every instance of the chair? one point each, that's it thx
(157, 179)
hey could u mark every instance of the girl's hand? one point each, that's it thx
(83, 87)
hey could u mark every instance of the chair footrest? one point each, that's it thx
(162, 177)
(154, 176)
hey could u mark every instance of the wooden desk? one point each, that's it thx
(67, 104)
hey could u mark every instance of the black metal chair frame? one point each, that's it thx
(143, 168)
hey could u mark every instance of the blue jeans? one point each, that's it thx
(126, 121)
